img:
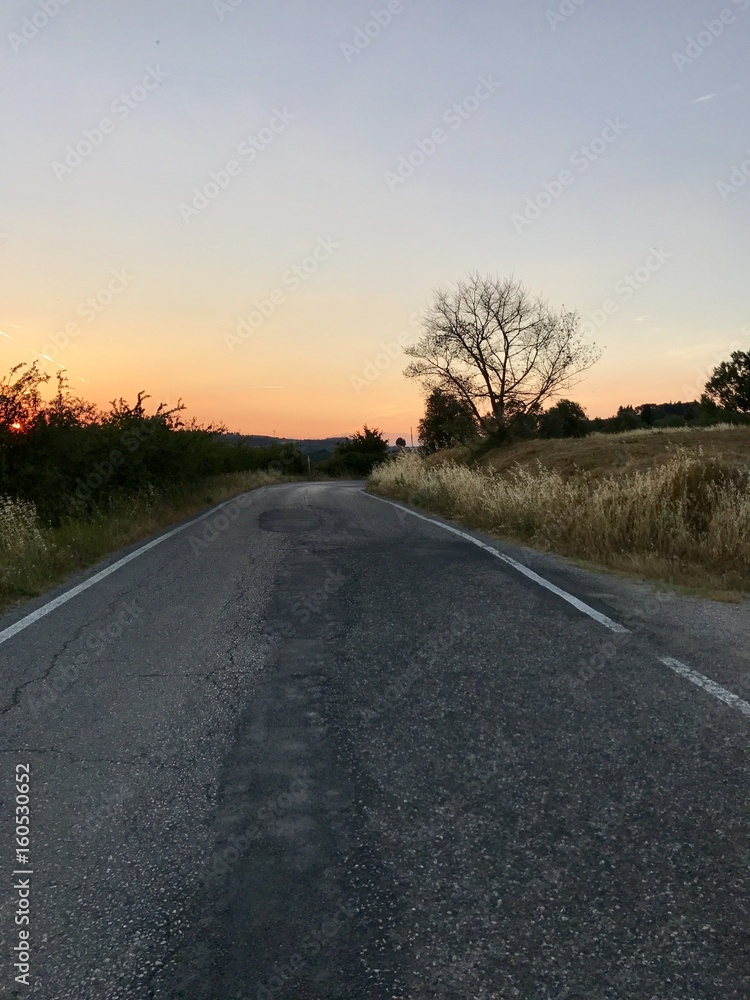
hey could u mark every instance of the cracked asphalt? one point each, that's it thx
(314, 747)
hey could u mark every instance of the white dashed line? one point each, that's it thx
(679, 668)
(707, 684)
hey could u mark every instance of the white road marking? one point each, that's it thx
(586, 609)
(45, 609)
(707, 684)
(679, 668)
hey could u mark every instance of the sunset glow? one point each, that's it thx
(247, 208)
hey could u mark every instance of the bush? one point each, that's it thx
(670, 421)
(70, 460)
(358, 455)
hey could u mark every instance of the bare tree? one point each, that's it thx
(503, 351)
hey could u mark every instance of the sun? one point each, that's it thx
(16, 426)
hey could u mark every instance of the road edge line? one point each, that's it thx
(580, 605)
(701, 681)
(34, 616)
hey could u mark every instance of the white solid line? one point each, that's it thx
(707, 684)
(34, 616)
(580, 605)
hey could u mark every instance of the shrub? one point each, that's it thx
(70, 460)
(358, 454)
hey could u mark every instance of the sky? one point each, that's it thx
(248, 204)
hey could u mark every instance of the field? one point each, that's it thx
(671, 506)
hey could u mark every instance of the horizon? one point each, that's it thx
(249, 208)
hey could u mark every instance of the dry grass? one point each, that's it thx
(23, 546)
(600, 455)
(681, 519)
(34, 558)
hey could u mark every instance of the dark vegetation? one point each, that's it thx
(500, 351)
(448, 421)
(71, 459)
(318, 449)
(357, 456)
(492, 358)
(77, 483)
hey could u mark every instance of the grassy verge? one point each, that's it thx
(684, 522)
(34, 558)
(601, 455)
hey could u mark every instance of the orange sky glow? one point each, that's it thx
(196, 172)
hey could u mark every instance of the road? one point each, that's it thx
(314, 746)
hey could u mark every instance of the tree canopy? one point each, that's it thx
(360, 453)
(729, 386)
(500, 350)
(565, 419)
(447, 421)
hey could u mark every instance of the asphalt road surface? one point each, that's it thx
(313, 746)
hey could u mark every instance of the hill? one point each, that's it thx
(600, 455)
(308, 446)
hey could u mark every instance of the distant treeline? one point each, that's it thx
(317, 448)
(658, 415)
(568, 419)
(70, 458)
(449, 421)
